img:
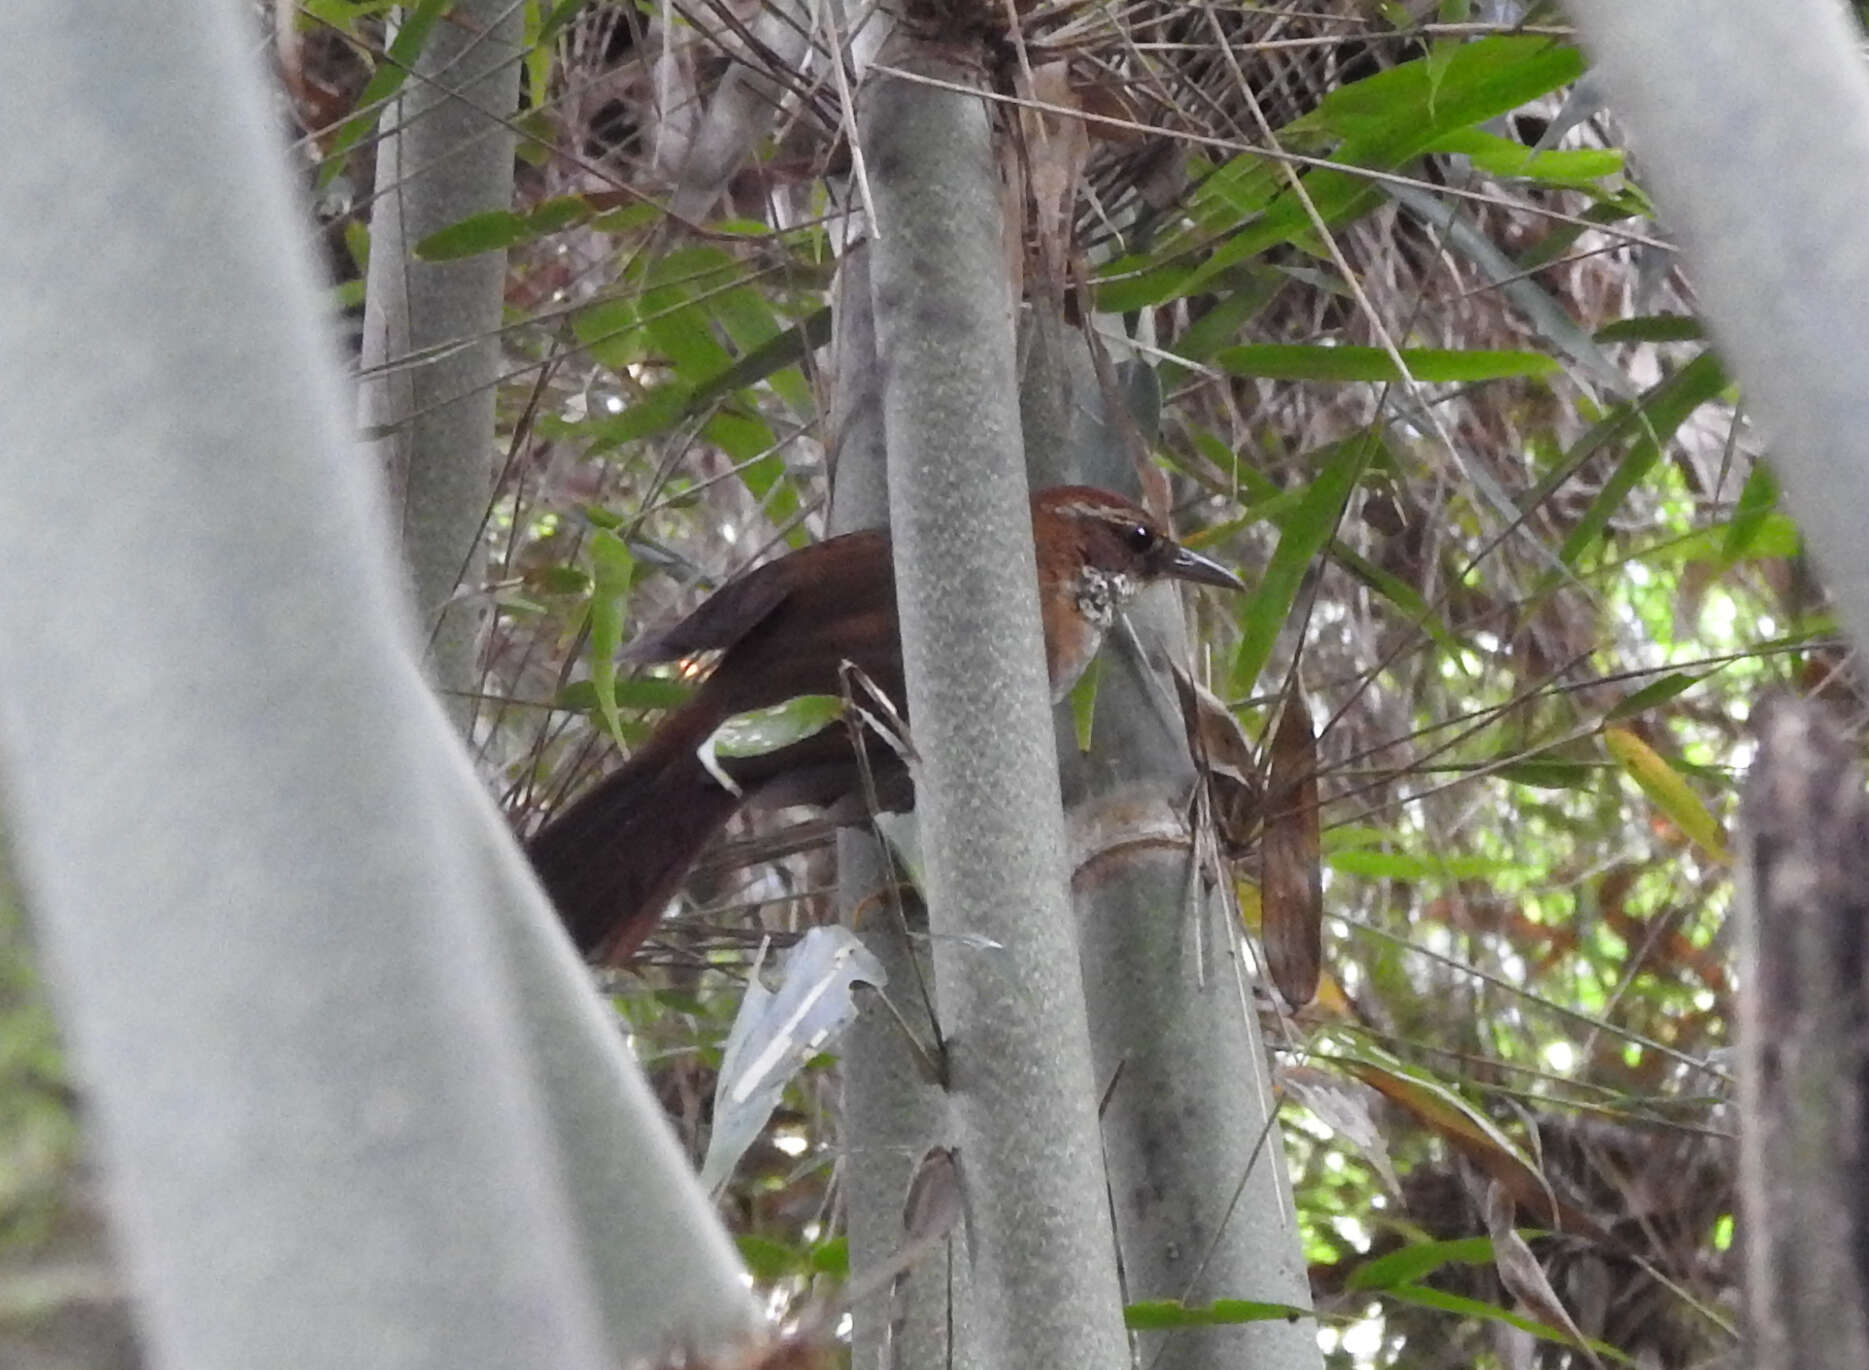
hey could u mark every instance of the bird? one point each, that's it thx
(613, 858)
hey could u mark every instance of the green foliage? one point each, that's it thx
(1530, 590)
(38, 1130)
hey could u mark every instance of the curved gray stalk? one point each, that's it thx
(1763, 166)
(1753, 126)
(1043, 1287)
(1196, 1165)
(892, 1112)
(431, 350)
(348, 1094)
(745, 106)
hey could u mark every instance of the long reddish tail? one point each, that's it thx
(614, 859)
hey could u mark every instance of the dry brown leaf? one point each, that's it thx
(1343, 1105)
(1057, 147)
(1521, 1274)
(1291, 881)
(1474, 1136)
(1225, 754)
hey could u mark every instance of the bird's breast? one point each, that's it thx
(1070, 644)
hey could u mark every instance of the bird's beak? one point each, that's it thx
(1185, 565)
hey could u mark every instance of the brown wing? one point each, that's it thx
(743, 603)
(837, 602)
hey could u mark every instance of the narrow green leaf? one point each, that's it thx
(832, 1258)
(1668, 790)
(656, 412)
(1656, 692)
(342, 14)
(539, 55)
(1656, 416)
(612, 569)
(561, 14)
(1134, 285)
(1299, 362)
(759, 732)
(786, 349)
(1442, 51)
(1385, 121)
(1426, 1297)
(1777, 536)
(498, 229)
(1221, 323)
(1551, 773)
(1395, 865)
(1398, 592)
(1411, 1262)
(1756, 502)
(677, 310)
(1154, 1315)
(493, 231)
(611, 331)
(384, 82)
(631, 692)
(743, 436)
(766, 1259)
(1656, 328)
(1084, 702)
(1305, 533)
(1501, 157)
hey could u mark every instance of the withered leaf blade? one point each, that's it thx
(1521, 1274)
(1291, 880)
(1225, 755)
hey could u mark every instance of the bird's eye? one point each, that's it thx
(1139, 536)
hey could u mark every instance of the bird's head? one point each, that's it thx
(1095, 551)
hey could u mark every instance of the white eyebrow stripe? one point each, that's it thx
(1098, 509)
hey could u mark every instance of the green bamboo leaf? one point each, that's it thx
(1656, 692)
(1133, 284)
(1398, 592)
(1777, 535)
(786, 349)
(612, 569)
(1221, 323)
(1756, 502)
(1550, 773)
(1657, 328)
(1655, 417)
(1304, 533)
(631, 692)
(1442, 51)
(493, 231)
(1409, 1264)
(1580, 168)
(1154, 1315)
(1301, 362)
(1084, 702)
(383, 84)
(766, 1259)
(560, 14)
(1395, 865)
(1426, 1297)
(758, 732)
(1385, 121)
(498, 229)
(1667, 789)
(342, 14)
(677, 310)
(656, 412)
(831, 1258)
